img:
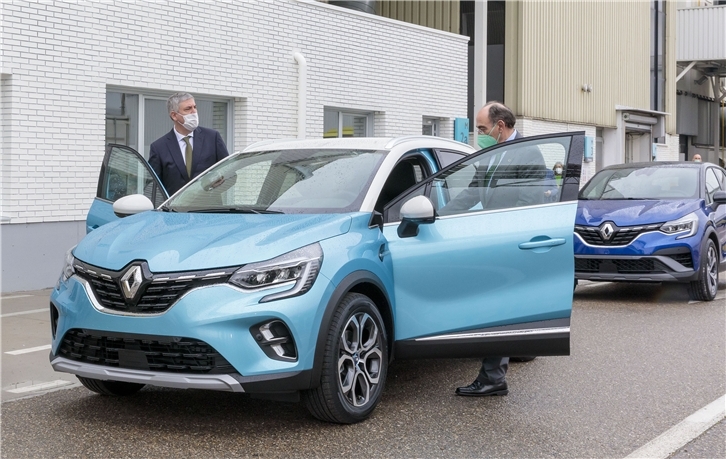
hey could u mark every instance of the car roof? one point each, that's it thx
(362, 143)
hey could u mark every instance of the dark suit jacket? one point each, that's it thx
(165, 157)
(517, 181)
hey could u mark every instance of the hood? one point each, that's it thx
(194, 241)
(629, 213)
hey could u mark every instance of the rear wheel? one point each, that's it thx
(706, 286)
(355, 364)
(118, 388)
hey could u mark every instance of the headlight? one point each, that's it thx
(687, 225)
(68, 270)
(297, 269)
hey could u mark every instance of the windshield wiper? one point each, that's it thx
(166, 209)
(234, 210)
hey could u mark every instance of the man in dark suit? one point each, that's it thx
(511, 178)
(188, 149)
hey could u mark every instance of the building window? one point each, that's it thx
(430, 126)
(338, 123)
(138, 119)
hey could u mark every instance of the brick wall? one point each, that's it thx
(59, 58)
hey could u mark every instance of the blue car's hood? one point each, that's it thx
(195, 241)
(629, 213)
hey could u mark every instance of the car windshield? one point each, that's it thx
(282, 181)
(643, 183)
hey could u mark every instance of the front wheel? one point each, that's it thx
(118, 388)
(355, 364)
(706, 286)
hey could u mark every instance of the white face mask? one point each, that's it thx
(191, 121)
(558, 170)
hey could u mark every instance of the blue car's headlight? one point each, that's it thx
(686, 225)
(297, 269)
(68, 269)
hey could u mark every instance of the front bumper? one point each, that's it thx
(220, 315)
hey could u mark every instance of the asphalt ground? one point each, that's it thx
(643, 359)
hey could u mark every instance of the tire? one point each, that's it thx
(706, 286)
(355, 364)
(116, 388)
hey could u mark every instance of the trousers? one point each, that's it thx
(493, 370)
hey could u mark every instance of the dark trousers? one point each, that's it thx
(493, 370)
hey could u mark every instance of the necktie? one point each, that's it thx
(492, 168)
(188, 156)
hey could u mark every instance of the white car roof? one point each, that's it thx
(363, 143)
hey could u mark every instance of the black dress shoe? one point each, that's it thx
(480, 389)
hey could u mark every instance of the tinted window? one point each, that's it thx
(126, 173)
(643, 183)
(712, 184)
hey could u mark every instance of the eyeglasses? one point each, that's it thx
(483, 130)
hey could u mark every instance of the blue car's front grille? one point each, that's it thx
(155, 292)
(143, 352)
(620, 266)
(593, 235)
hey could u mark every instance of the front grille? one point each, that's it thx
(157, 292)
(621, 235)
(683, 258)
(143, 352)
(620, 266)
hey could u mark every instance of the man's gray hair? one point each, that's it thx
(172, 104)
(499, 111)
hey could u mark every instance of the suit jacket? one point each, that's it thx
(510, 185)
(165, 157)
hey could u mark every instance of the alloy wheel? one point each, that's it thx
(359, 363)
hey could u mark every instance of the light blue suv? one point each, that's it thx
(300, 269)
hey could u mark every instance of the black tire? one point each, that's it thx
(355, 364)
(706, 286)
(116, 388)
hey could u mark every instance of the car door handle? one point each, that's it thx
(539, 244)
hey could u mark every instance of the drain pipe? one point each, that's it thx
(302, 84)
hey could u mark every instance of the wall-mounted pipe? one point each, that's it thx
(302, 86)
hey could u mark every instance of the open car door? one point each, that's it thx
(483, 261)
(123, 172)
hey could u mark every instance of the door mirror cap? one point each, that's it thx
(132, 204)
(414, 212)
(719, 198)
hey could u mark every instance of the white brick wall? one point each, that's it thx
(59, 57)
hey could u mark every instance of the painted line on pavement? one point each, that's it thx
(13, 297)
(32, 311)
(41, 386)
(682, 433)
(30, 349)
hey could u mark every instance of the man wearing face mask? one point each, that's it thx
(495, 124)
(188, 149)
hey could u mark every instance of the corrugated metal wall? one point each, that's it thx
(562, 45)
(706, 33)
(437, 14)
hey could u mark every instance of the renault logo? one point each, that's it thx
(606, 231)
(131, 281)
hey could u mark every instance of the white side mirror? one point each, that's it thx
(132, 204)
(416, 211)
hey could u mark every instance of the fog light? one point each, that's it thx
(275, 340)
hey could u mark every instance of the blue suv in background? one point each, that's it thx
(654, 222)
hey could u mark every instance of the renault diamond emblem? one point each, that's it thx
(131, 281)
(606, 231)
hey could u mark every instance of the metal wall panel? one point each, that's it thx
(437, 14)
(561, 46)
(701, 34)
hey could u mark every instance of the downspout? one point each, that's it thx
(302, 84)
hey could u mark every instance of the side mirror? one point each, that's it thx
(132, 204)
(416, 211)
(719, 198)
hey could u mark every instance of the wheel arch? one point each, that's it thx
(363, 282)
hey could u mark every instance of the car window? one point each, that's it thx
(285, 181)
(509, 176)
(712, 184)
(409, 171)
(124, 172)
(643, 183)
(447, 157)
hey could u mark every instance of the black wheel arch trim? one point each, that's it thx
(351, 283)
